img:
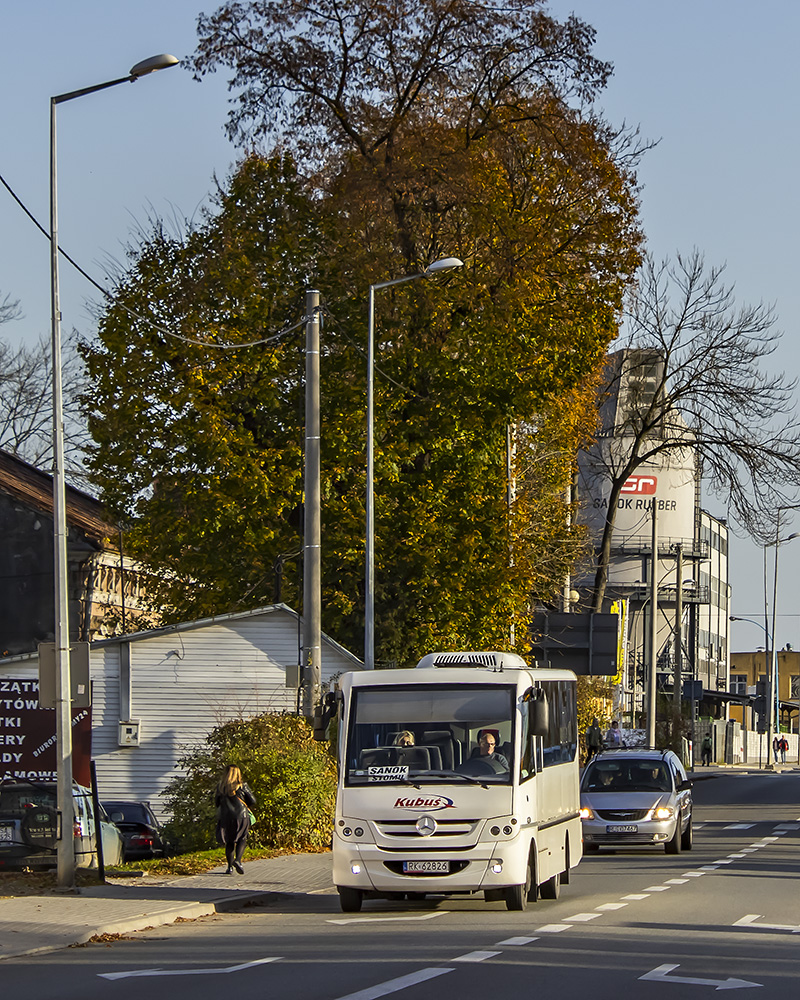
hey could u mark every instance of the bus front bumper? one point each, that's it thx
(485, 866)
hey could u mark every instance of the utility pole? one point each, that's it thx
(651, 685)
(312, 571)
(678, 654)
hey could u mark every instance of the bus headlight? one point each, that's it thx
(496, 866)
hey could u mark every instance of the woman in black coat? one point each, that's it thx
(234, 800)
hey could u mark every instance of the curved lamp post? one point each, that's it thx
(445, 264)
(66, 852)
(773, 715)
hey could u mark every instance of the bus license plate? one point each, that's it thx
(6, 833)
(630, 828)
(425, 867)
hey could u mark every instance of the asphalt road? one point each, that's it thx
(631, 924)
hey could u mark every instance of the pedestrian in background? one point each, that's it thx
(784, 746)
(233, 800)
(706, 749)
(775, 747)
(614, 736)
(593, 739)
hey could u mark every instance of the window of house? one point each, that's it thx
(738, 684)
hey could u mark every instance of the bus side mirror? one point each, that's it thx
(539, 715)
(324, 711)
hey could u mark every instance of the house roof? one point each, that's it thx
(32, 486)
(204, 623)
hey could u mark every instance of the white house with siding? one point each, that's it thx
(157, 694)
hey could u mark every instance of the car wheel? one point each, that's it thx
(687, 836)
(350, 899)
(673, 845)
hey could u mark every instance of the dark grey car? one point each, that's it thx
(636, 797)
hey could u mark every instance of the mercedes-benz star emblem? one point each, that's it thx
(426, 826)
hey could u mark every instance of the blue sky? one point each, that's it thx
(716, 81)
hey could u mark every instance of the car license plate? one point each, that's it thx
(6, 833)
(626, 828)
(426, 867)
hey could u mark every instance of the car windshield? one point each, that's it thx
(433, 733)
(627, 776)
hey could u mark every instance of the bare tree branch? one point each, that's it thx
(694, 381)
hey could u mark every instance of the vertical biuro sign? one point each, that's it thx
(28, 735)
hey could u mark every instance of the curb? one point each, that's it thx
(145, 921)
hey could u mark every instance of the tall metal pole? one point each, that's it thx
(772, 669)
(65, 855)
(445, 264)
(651, 686)
(312, 571)
(369, 583)
(678, 653)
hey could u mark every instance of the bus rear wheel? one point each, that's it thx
(551, 889)
(350, 900)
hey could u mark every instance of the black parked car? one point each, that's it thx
(143, 834)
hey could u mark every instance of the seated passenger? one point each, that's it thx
(404, 739)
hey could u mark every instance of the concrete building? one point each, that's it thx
(689, 559)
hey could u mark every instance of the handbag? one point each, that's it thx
(251, 816)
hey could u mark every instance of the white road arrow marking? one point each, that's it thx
(386, 920)
(749, 920)
(661, 974)
(185, 972)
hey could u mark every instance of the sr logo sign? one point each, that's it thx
(640, 486)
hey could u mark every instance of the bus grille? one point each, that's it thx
(444, 828)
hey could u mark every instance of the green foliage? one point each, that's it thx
(198, 449)
(292, 777)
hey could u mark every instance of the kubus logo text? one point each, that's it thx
(430, 803)
(640, 485)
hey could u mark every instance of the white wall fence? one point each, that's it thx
(731, 744)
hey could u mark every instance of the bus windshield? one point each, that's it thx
(431, 733)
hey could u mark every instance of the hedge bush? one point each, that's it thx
(292, 777)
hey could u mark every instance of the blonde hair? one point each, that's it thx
(406, 737)
(230, 782)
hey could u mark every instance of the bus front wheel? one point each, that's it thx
(350, 899)
(517, 895)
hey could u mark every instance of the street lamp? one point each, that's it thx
(66, 851)
(770, 645)
(445, 264)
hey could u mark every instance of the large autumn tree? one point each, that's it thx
(423, 131)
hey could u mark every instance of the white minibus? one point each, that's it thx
(457, 777)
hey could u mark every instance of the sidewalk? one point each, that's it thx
(31, 924)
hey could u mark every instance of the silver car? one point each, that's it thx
(636, 797)
(29, 827)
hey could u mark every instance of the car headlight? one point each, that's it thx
(586, 813)
(663, 812)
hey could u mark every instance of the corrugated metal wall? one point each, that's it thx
(182, 685)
